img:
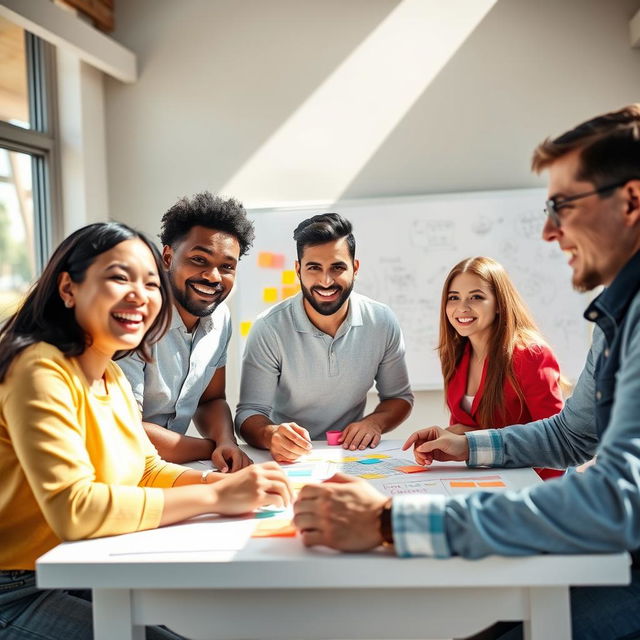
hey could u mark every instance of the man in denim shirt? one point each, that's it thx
(594, 216)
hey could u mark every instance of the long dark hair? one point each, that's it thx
(43, 316)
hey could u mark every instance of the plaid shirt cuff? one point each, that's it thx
(485, 448)
(418, 526)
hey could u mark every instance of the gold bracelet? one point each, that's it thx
(205, 474)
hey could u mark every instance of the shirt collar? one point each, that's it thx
(302, 324)
(207, 322)
(615, 299)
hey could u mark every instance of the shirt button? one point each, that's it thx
(598, 395)
(606, 353)
(593, 315)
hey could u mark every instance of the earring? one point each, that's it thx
(68, 304)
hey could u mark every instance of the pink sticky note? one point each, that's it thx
(277, 261)
(333, 437)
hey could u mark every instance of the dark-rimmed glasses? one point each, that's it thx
(553, 206)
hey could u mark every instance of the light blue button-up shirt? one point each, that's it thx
(169, 389)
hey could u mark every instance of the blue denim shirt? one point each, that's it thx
(590, 512)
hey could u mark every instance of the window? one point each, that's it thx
(27, 161)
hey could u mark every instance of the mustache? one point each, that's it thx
(213, 285)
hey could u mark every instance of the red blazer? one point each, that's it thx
(538, 374)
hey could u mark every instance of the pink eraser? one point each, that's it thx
(333, 437)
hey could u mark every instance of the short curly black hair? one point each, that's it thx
(207, 210)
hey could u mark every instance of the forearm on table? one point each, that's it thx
(175, 447)
(213, 420)
(257, 431)
(390, 413)
(184, 502)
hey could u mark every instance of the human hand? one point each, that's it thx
(289, 441)
(342, 513)
(434, 443)
(257, 485)
(228, 456)
(360, 435)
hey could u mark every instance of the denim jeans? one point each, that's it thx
(29, 613)
(602, 613)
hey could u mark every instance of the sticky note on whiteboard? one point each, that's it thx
(270, 294)
(288, 277)
(245, 327)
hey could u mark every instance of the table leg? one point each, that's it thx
(112, 616)
(549, 614)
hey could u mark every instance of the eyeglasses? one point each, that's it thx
(552, 206)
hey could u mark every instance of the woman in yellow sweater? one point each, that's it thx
(75, 461)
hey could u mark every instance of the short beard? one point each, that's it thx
(588, 282)
(326, 308)
(181, 297)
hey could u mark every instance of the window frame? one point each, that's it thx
(40, 141)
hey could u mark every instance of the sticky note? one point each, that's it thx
(458, 484)
(289, 291)
(296, 486)
(380, 456)
(369, 461)
(298, 473)
(492, 483)
(347, 459)
(277, 260)
(274, 528)
(288, 277)
(372, 476)
(270, 294)
(412, 468)
(245, 327)
(264, 259)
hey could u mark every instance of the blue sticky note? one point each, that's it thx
(370, 461)
(298, 473)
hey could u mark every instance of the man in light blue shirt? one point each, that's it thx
(310, 360)
(594, 215)
(203, 239)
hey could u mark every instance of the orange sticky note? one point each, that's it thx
(264, 259)
(274, 529)
(492, 483)
(244, 328)
(289, 291)
(270, 294)
(412, 469)
(458, 484)
(288, 277)
(277, 261)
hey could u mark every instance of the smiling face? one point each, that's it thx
(118, 299)
(326, 273)
(471, 307)
(202, 271)
(593, 233)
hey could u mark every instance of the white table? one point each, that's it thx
(208, 579)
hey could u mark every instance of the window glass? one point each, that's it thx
(14, 96)
(17, 250)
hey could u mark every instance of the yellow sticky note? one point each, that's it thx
(244, 328)
(378, 456)
(288, 277)
(372, 476)
(270, 294)
(289, 290)
(349, 459)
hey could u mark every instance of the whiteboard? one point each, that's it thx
(406, 247)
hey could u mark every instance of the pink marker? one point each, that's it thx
(333, 437)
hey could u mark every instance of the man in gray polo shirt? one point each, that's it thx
(310, 360)
(203, 239)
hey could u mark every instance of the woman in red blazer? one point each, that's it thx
(497, 368)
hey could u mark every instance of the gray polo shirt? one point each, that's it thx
(168, 390)
(293, 372)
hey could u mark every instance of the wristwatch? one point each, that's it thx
(386, 527)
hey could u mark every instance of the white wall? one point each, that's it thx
(229, 91)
